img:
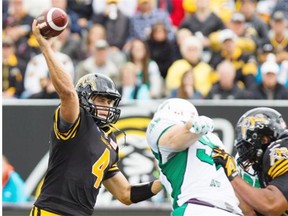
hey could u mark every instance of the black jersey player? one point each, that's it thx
(262, 145)
(83, 149)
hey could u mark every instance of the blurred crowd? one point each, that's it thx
(154, 49)
(13, 187)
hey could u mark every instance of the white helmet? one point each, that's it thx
(176, 109)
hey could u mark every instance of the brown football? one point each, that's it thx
(52, 22)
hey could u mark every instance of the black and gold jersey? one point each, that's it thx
(80, 159)
(275, 165)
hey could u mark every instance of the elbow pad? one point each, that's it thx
(141, 192)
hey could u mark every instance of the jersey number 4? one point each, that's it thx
(99, 166)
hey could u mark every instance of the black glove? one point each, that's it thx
(225, 160)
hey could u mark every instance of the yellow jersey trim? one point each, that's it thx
(65, 135)
(279, 168)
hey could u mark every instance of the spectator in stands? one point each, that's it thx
(129, 88)
(268, 52)
(37, 78)
(203, 22)
(148, 72)
(13, 188)
(237, 24)
(18, 21)
(269, 88)
(84, 11)
(98, 32)
(161, 48)
(248, 8)
(98, 63)
(261, 58)
(71, 46)
(145, 17)
(115, 23)
(13, 70)
(18, 27)
(245, 40)
(279, 36)
(95, 32)
(226, 88)
(175, 10)
(264, 52)
(181, 34)
(191, 50)
(187, 89)
(245, 64)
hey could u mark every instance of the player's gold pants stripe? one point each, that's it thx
(40, 212)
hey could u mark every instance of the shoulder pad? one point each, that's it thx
(275, 158)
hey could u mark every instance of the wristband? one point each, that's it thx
(233, 175)
(141, 192)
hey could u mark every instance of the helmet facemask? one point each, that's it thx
(112, 115)
(93, 85)
(251, 150)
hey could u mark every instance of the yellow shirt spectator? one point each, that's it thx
(202, 74)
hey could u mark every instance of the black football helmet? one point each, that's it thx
(96, 84)
(255, 130)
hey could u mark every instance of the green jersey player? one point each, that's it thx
(182, 143)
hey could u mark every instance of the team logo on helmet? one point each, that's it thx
(251, 122)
